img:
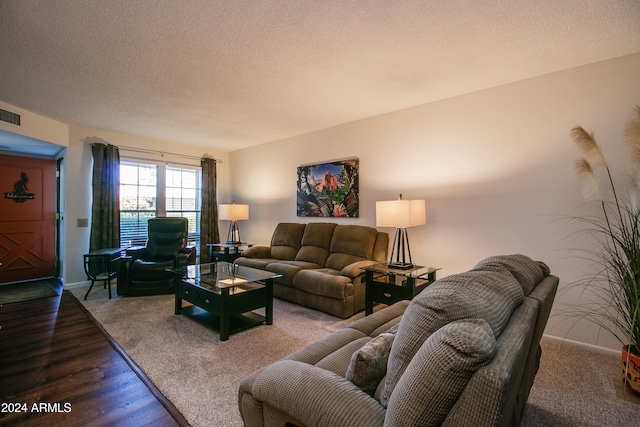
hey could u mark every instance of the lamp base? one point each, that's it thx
(402, 251)
(400, 265)
(233, 237)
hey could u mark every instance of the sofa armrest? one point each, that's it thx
(315, 396)
(257, 252)
(354, 269)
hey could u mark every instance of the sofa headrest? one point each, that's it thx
(316, 241)
(286, 240)
(488, 295)
(351, 243)
(526, 271)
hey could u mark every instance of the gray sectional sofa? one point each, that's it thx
(464, 352)
(320, 263)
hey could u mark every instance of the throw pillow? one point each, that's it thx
(439, 373)
(369, 364)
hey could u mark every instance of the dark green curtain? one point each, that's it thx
(105, 210)
(209, 232)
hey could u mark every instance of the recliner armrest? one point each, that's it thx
(315, 396)
(187, 256)
(136, 251)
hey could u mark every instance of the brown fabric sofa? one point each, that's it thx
(463, 352)
(320, 263)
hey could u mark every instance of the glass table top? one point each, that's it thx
(417, 271)
(222, 274)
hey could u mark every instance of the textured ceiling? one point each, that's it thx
(228, 74)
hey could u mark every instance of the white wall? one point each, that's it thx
(36, 126)
(78, 173)
(495, 168)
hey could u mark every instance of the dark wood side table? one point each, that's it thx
(227, 252)
(101, 265)
(390, 285)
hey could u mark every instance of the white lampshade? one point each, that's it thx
(233, 212)
(401, 213)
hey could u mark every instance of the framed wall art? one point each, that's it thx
(329, 189)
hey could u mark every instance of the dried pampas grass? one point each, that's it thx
(588, 167)
(588, 182)
(587, 143)
(632, 139)
(585, 167)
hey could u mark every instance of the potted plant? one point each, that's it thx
(612, 291)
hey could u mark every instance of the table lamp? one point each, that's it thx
(400, 214)
(234, 213)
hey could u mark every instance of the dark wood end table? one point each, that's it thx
(101, 265)
(390, 285)
(227, 252)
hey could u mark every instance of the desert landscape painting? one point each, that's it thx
(329, 189)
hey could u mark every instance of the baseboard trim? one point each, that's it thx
(583, 345)
(77, 284)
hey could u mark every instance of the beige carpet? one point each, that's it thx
(196, 371)
(579, 388)
(200, 374)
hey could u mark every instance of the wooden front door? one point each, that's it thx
(27, 218)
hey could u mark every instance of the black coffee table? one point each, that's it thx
(224, 295)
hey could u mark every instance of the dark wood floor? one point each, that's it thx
(53, 356)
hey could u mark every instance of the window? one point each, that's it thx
(183, 198)
(148, 190)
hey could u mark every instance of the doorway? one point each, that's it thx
(28, 203)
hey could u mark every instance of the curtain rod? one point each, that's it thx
(162, 153)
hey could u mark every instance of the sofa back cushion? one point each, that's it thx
(349, 244)
(286, 240)
(381, 247)
(316, 242)
(439, 373)
(488, 295)
(526, 271)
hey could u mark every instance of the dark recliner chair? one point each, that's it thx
(143, 270)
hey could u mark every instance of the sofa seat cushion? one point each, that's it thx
(259, 263)
(338, 361)
(488, 295)
(526, 271)
(382, 320)
(325, 347)
(289, 269)
(439, 373)
(324, 282)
